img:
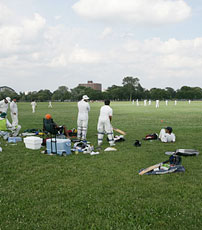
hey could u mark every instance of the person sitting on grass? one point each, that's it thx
(60, 129)
(167, 135)
(6, 127)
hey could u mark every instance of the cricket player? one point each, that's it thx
(166, 102)
(137, 102)
(167, 135)
(5, 127)
(50, 104)
(33, 104)
(82, 120)
(145, 102)
(175, 102)
(14, 112)
(157, 103)
(149, 102)
(104, 124)
(4, 105)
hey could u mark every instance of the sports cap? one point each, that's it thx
(169, 129)
(48, 116)
(3, 115)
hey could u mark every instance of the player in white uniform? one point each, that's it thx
(4, 105)
(137, 102)
(145, 102)
(82, 120)
(5, 127)
(166, 102)
(167, 135)
(14, 112)
(104, 124)
(50, 104)
(157, 103)
(33, 104)
(149, 103)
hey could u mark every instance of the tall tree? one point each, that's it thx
(130, 85)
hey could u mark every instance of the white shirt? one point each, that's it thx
(83, 109)
(105, 112)
(33, 103)
(14, 107)
(3, 106)
(166, 137)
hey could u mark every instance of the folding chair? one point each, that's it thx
(50, 127)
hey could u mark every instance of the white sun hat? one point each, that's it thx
(85, 97)
(8, 99)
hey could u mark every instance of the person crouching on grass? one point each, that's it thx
(6, 129)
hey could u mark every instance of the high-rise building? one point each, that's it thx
(90, 84)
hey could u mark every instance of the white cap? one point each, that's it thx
(8, 99)
(85, 97)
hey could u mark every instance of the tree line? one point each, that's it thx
(131, 89)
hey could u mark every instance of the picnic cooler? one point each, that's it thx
(14, 139)
(63, 146)
(33, 142)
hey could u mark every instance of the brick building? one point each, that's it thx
(90, 84)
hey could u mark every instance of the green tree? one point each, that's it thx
(61, 94)
(130, 85)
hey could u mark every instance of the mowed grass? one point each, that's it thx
(104, 191)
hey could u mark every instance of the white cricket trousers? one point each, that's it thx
(82, 126)
(104, 126)
(14, 118)
(33, 109)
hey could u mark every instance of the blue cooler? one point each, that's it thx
(63, 146)
(14, 139)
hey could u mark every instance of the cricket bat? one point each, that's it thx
(119, 131)
(152, 167)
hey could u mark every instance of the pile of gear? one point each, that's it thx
(172, 165)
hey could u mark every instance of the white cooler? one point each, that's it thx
(33, 142)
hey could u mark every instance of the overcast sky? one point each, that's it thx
(45, 44)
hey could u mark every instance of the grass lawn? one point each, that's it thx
(104, 191)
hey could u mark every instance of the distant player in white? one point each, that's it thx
(157, 103)
(33, 104)
(167, 135)
(166, 102)
(104, 124)
(145, 102)
(137, 102)
(4, 105)
(14, 112)
(82, 120)
(133, 101)
(50, 104)
(189, 101)
(149, 102)
(175, 102)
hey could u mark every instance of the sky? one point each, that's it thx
(46, 44)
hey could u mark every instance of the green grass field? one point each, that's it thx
(104, 191)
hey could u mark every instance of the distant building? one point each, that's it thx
(90, 84)
(6, 88)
